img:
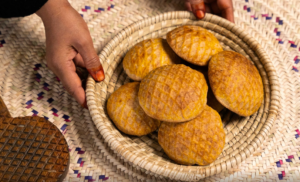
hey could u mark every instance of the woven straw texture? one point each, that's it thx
(29, 88)
(243, 135)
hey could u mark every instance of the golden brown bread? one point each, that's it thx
(173, 93)
(194, 44)
(3, 109)
(236, 82)
(199, 141)
(32, 149)
(124, 110)
(148, 55)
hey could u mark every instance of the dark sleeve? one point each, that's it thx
(19, 8)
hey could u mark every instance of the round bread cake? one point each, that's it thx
(32, 149)
(236, 82)
(173, 93)
(124, 110)
(146, 56)
(199, 141)
(194, 44)
(3, 109)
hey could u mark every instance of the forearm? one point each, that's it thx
(52, 10)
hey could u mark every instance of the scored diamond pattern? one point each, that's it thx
(3, 109)
(124, 109)
(194, 44)
(31, 149)
(147, 56)
(199, 141)
(174, 93)
(236, 82)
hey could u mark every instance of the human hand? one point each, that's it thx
(68, 43)
(222, 8)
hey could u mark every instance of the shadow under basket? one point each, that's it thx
(243, 134)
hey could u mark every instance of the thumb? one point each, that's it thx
(90, 59)
(198, 8)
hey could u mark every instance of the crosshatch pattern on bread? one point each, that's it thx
(147, 56)
(199, 141)
(173, 93)
(124, 109)
(236, 82)
(194, 44)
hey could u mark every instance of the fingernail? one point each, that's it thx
(97, 73)
(84, 105)
(200, 14)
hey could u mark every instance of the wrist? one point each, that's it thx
(52, 9)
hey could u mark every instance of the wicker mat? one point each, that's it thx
(29, 88)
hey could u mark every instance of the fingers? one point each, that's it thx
(210, 1)
(207, 9)
(222, 8)
(227, 11)
(188, 6)
(68, 42)
(95, 68)
(228, 14)
(89, 56)
(66, 72)
(78, 60)
(199, 10)
(72, 84)
(197, 7)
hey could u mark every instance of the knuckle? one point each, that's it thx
(83, 42)
(71, 91)
(92, 63)
(72, 87)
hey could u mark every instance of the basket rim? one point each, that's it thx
(134, 27)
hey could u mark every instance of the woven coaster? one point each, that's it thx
(29, 88)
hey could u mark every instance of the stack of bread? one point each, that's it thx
(179, 86)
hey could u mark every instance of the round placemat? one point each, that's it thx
(29, 88)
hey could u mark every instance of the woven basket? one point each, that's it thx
(243, 134)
